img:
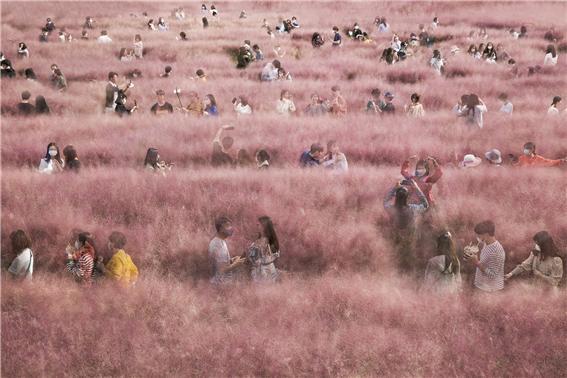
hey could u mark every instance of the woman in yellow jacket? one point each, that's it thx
(120, 267)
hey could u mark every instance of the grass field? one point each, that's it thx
(342, 308)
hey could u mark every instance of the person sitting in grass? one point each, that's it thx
(120, 267)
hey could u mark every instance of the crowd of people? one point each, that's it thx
(407, 204)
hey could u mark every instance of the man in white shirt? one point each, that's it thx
(223, 265)
(507, 106)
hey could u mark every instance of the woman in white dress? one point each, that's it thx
(443, 272)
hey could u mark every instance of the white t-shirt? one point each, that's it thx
(437, 64)
(285, 106)
(507, 108)
(23, 264)
(104, 39)
(219, 257)
(269, 72)
(46, 166)
(552, 110)
(549, 60)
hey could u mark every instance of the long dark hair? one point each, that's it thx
(71, 158)
(20, 241)
(546, 244)
(270, 233)
(151, 157)
(57, 157)
(551, 50)
(41, 106)
(446, 246)
(212, 99)
(471, 103)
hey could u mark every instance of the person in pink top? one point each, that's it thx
(427, 173)
(531, 159)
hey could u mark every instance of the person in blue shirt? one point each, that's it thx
(312, 157)
(337, 39)
(210, 105)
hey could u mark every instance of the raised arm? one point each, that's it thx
(423, 203)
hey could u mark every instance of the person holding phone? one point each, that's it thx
(81, 257)
(223, 265)
(489, 276)
(263, 252)
(221, 148)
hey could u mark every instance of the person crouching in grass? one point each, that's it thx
(120, 267)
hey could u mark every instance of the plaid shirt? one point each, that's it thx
(492, 259)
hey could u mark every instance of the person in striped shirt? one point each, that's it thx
(489, 275)
(81, 258)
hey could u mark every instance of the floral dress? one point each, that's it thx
(262, 259)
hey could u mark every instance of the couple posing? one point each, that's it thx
(259, 258)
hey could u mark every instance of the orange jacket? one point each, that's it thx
(537, 161)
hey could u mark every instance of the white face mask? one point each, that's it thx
(420, 172)
(77, 244)
(537, 247)
(527, 152)
(52, 153)
(479, 240)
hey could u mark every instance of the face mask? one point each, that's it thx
(420, 172)
(52, 153)
(527, 152)
(229, 232)
(479, 240)
(77, 244)
(537, 248)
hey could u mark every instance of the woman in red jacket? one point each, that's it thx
(427, 173)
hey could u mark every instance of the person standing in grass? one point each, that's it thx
(221, 149)
(312, 157)
(72, 162)
(52, 162)
(161, 107)
(22, 266)
(285, 104)
(120, 267)
(138, 47)
(553, 110)
(403, 216)
(544, 262)
(153, 163)
(335, 159)
(375, 104)
(531, 159)
(443, 272)
(489, 276)
(263, 252)
(507, 106)
(223, 266)
(427, 173)
(337, 39)
(210, 106)
(550, 56)
(338, 104)
(415, 109)
(25, 108)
